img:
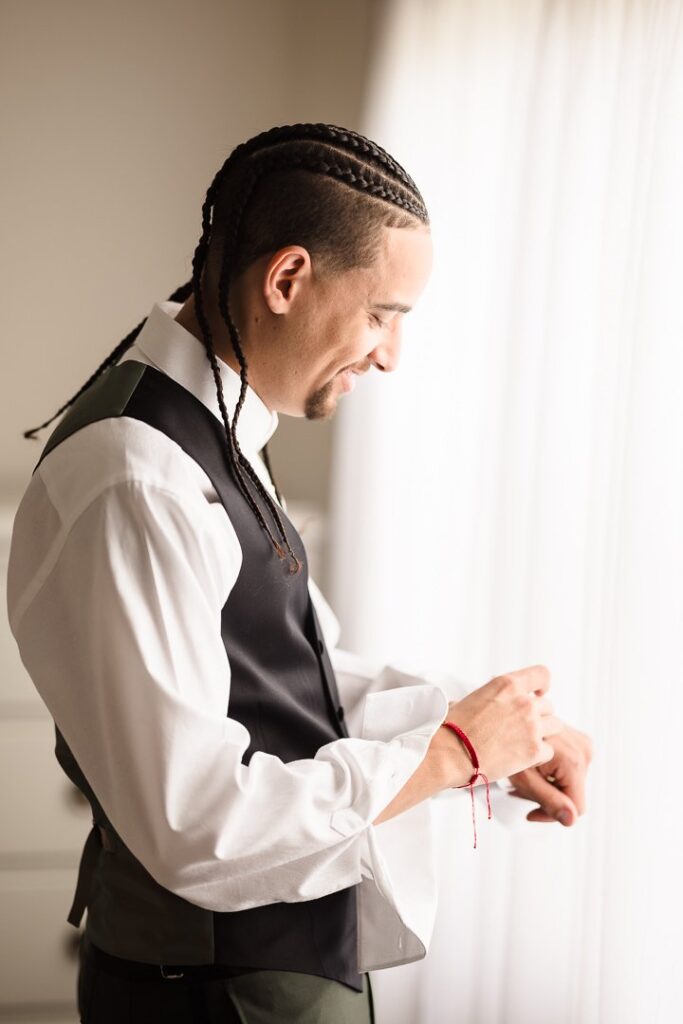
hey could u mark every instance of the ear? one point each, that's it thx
(287, 272)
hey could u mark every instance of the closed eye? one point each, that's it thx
(377, 321)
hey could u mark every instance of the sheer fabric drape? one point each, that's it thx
(513, 494)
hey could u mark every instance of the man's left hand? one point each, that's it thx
(568, 767)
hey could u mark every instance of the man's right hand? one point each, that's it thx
(507, 721)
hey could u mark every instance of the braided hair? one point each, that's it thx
(326, 188)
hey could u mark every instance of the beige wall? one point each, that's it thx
(115, 118)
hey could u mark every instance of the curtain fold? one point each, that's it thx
(513, 494)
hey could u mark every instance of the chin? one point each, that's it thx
(322, 404)
(318, 412)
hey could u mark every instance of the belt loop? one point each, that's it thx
(164, 975)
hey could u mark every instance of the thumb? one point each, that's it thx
(566, 815)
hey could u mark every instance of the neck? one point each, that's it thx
(187, 318)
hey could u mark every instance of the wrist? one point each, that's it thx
(454, 763)
(460, 733)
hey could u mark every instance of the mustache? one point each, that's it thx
(356, 369)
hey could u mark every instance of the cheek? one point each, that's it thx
(362, 340)
(338, 353)
(338, 345)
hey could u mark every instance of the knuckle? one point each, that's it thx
(535, 748)
(505, 691)
(507, 683)
(542, 672)
(538, 737)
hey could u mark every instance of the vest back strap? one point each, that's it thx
(86, 871)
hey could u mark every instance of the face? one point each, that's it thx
(307, 338)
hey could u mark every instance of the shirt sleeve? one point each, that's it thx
(358, 676)
(121, 636)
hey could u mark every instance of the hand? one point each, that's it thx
(568, 766)
(508, 721)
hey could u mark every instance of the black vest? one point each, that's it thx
(282, 690)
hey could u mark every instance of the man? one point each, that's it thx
(161, 602)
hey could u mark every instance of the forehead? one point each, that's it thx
(403, 265)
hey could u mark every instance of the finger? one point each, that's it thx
(551, 725)
(585, 742)
(537, 814)
(535, 678)
(553, 800)
(543, 705)
(540, 815)
(573, 781)
(547, 754)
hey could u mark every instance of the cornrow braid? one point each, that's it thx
(236, 211)
(343, 137)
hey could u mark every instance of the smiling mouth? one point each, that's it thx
(352, 369)
(348, 379)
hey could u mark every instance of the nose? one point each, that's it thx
(385, 356)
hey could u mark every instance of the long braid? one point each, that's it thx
(198, 263)
(266, 459)
(237, 346)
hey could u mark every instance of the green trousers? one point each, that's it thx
(262, 997)
(267, 997)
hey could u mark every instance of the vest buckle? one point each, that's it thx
(165, 975)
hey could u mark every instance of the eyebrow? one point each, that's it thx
(396, 307)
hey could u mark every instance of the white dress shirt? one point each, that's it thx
(122, 558)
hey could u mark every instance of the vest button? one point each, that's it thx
(340, 712)
(321, 646)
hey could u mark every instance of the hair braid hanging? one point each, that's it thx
(241, 358)
(230, 442)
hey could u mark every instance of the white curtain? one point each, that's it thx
(513, 494)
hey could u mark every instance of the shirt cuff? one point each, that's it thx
(405, 719)
(505, 784)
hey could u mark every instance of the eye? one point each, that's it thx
(376, 321)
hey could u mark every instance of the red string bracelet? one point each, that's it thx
(475, 761)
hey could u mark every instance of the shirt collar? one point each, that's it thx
(173, 350)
